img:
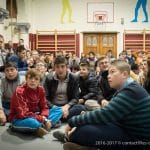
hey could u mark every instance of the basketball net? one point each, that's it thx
(100, 25)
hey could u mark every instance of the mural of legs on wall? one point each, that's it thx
(138, 5)
(66, 7)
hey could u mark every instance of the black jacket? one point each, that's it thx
(105, 88)
(51, 85)
(89, 87)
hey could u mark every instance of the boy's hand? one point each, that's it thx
(69, 130)
(104, 102)
(47, 125)
(81, 101)
(65, 109)
(2, 117)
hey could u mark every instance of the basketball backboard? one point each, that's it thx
(100, 12)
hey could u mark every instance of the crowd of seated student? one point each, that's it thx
(71, 84)
(120, 125)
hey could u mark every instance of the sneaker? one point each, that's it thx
(74, 146)
(40, 132)
(60, 136)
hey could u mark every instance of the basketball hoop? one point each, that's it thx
(100, 18)
(100, 25)
(99, 22)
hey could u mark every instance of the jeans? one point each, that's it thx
(103, 136)
(28, 125)
(55, 113)
(74, 110)
(6, 106)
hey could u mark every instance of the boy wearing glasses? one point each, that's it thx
(29, 110)
(107, 91)
(42, 68)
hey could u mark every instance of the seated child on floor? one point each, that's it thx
(29, 110)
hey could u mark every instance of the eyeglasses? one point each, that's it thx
(143, 64)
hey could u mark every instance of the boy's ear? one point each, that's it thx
(125, 74)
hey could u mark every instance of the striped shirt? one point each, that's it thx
(130, 107)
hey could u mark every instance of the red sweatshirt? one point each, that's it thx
(26, 101)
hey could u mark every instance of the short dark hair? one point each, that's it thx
(92, 53)
(10, 64)
(102, 58)
(134, 67)
(60, 60)
(85, 63)
(75, 67)
(21, 40)
(20, 48)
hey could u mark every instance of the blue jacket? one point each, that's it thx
(21, 64)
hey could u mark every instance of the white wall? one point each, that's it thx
(2, 5)
(45, 15)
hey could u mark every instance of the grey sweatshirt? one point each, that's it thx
(7, 88)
